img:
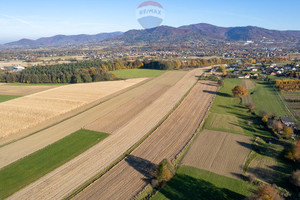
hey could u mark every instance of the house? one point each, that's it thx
(279, 72)
(254, 70)
(247, 76)
(287, 121)
(18, 68)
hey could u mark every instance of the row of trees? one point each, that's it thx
(288, 84)
(83, 75)
(94, 70)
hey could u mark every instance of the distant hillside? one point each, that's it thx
(167, 34)
(63, 40)
(205, 32)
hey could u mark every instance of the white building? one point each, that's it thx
(18, 68)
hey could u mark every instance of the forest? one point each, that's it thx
(94, 71)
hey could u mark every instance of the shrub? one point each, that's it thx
(251, 107)
(293, 152)
(288, 132)
(265, 119)
(265, 192)
(295, 179)
(166, 171)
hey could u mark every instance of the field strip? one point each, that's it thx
(64, 180)
(38, 164)
(6, 89)
(59, 119)
(132, 174)
(14, 151)
(249, 85)
(122, 115)
(26, 112)
(219, 152)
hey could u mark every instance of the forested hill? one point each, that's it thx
(166, 34)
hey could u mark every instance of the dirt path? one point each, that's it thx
(131, 175)
(219, 152)
(26, 146)
(249, 85)
(62, 181)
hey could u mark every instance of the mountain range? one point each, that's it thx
(63, 40)
(167, 34)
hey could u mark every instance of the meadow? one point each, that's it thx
(27, 170)
(202, 185)
(7, 97)
(137, 73)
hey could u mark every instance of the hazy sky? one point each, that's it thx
(38, 18)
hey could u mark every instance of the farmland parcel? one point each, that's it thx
(68, 177)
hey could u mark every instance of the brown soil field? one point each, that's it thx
(292, 97)
(248, 84)
(294, 105)
(6, 89)
(120, 116)
(65, 179)
(25, 112)
(41, 139)
(131, 175)
(219, 152)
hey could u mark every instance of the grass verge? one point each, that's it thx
(137, 73)
(7, 97)
(201, 184)
(27, 170)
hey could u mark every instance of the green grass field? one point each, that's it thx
(7, 97)
(137, 73)
(229, 115)
(265, 98)
(193, 183)
(29, 169)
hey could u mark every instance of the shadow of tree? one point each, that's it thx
(265, 174)
(222, 94)
(145, 167)
(196, 189)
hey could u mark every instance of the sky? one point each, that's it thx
(42, 18)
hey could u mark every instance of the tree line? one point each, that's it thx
(93, 71)
(288, 84)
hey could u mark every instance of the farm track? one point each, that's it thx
(65, 179)
(219, 152)
(19, 149)
(249, 85)
(132, 174)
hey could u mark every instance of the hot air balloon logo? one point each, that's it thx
(150, 14)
